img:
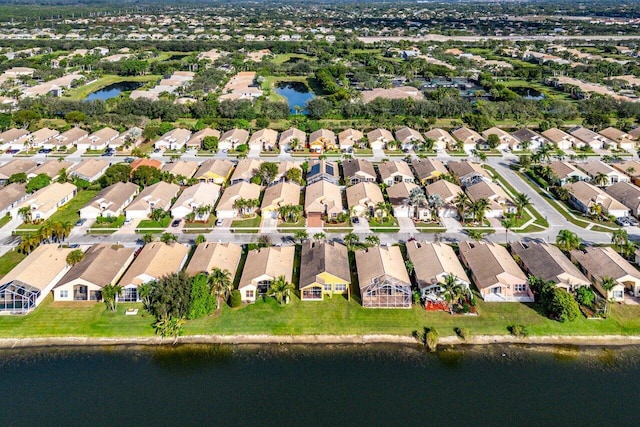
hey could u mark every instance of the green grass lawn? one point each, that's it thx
(388, 224)
(211, 222)
(149, 223)
(281, 58)
(252, 223)
(10, 260)
(333, 316)
(4, 220)
(301, 223)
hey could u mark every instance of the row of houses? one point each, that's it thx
(382, 277)
(19, 139)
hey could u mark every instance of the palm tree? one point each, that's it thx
(148, 238)
(110, 296)
(619, 238)
(508, 224)
(478, 209)
(474, 234)
(628, 250)
(75, 257)
(600, 179)
(522, 201)
(417, 199)
(451, 291)
(221, 285)
(383, 208)
(409, 266)
(300, 236)
(461, 203)
(168, 238)
(281, 290)
(562, 193)
(320, 236)
(25, 214)
(568, 240)
(435, 202)
(607, 284)
(372, 241)
(28, 243)
(351, 241)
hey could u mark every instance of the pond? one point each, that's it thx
(296, 93)
(528, 93)
(319, 386)
(113, 90)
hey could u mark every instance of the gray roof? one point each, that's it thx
(321, 257)
(546, 261)
(102, 265)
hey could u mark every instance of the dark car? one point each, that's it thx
(80, 222)
(175, 223)
(355, 220)
(129, 160)
(44, 150)
(13, 151)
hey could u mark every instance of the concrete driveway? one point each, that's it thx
(269, 224)
(407, 225)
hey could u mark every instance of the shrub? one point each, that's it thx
(519, 331)
(242, 148)
(236, 299)
(585, 296)
(463, 333)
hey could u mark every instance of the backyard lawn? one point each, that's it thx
(333, 316)
(10, 260)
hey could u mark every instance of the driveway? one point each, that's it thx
(407, 225)
(451, 224)
(80, 230)
(362, 226)
(269, 224)
(254, 152)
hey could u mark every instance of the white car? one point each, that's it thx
(128, 221)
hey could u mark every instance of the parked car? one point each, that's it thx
(128, 221)
(623, 221)
(355, 220)
(13, 151)
(219, 222)
(129, 160)
(80, 222)
(175, 223)
(44, 150)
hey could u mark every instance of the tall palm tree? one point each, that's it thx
(320, 236)
(220, 283)
(607, 284)
(110, 296)
(568, 240)
(508, 224)
(451, 291)
(601, 179)
(280, 289)
(522, 201)
(619, 238)
(435, 203)
(478, 209)
(372, 241)
(461, 203)
(351, 241)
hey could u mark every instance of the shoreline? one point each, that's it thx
(572, 340)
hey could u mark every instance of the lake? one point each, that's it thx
(113, 90)
(528, 93)
(318, 386)
(296, 94)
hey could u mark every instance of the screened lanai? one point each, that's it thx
(18, 297)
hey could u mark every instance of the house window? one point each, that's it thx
(249, 294)
(327, 287)
(64, 294)
(340, 287)
(129, 295)
(618, 294)
(520, 288)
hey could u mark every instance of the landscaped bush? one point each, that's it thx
(236, 299)
(585, 296)
(519, 331)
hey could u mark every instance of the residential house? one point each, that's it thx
(155, 260)
(358, 170)
(448, 192)
(627, 194)
(379, 138)
(278, 195)
(292, 138)
(496, 275)
(394, 171)
(428, 170)
(182, 169)
(562, 140)
(111, 201)
(322, 140)
(199, 200)
(156, 196)
(10, 196)
(265, 139)
(14, 138)
(51, 168)
(195, 142)
(324, 270)
(46, 201)
(214, 170)
(152, 163)
(623, 140)
(383, 278)
(566, 172)
(363, 199)
(128, 139)
(323, 170)
(592, 139)
(631, 168)
(506, 140)
(27, 285)
(599, 262)
(529, 138)
(467, 173)
(102, 265)
(348, 138)
(469, 138)
(42, 137)
(232, 138)
(70, 138)
(98, 140)
(585, 197)
(245, 170)
(548, 263)
(16, 166)
(596, 168)
(262, 267)
(442, 139)
(90, 170)
(208, 255)
(227, 208)
(175, 139)
(283, 168)
(432, 263)
(500, 203)
(408, 138)
(398, 195)
(322, 198)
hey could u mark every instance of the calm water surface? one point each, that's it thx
(296, 94)
(113, 90)
(319, 386)
(528, 93)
